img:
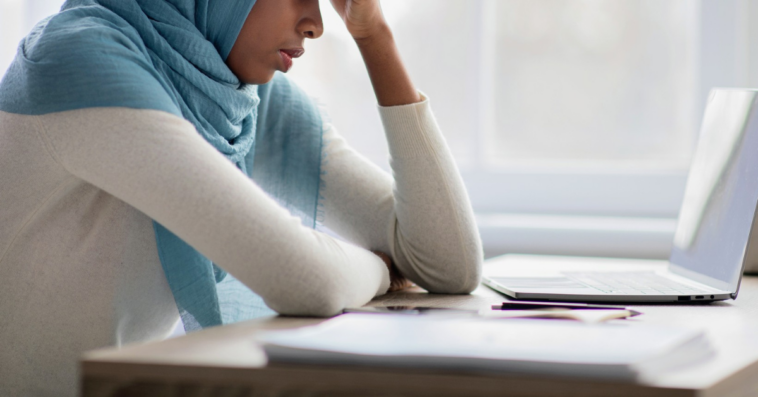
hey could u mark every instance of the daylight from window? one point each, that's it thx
(540, 83)
(594, 82)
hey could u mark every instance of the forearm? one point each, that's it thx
(140, 157)
(433, 236)
(430, 226)
(423, 217)
(391, 82)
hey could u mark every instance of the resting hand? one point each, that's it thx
(363, 18)
(397, 281)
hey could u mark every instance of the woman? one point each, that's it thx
(142, 139)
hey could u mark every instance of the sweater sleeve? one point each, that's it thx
(159, 164)
(421, 215)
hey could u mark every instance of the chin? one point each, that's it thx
(257, 78)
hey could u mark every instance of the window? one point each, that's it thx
(572, 121)
(587, 84)
(16, 20)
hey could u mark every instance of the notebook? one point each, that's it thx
(627, 351)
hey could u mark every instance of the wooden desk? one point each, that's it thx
(225, 362)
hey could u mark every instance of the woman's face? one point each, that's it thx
(273, 34)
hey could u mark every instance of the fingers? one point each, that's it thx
(339, 6)
(397, 281)
(399, 284)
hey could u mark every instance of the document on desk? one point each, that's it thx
(632, 351)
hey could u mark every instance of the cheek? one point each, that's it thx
(253, 63)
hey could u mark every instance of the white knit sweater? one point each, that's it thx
(78, 263)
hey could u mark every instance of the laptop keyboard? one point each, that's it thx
(633, 283)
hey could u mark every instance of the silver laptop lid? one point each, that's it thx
(720, 199)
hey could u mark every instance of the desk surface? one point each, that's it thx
(224, 361)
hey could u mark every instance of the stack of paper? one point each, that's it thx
(607, 351)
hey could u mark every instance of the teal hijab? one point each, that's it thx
(169, 55)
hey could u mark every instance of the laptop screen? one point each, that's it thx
(722, 191)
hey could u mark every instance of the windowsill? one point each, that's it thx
(627, 237)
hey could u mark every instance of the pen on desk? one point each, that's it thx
(524, 305)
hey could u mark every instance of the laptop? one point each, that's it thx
(716, 235)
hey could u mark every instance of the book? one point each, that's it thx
(629, 351)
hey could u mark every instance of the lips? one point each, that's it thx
(288, 55)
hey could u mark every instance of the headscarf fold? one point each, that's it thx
(169, 55)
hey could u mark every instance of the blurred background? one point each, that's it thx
(572, 121)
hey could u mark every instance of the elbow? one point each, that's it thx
(470, 265)
(326, 303)
(452, 268)
(470, 283)
(462, 276)
(457, 270)
(468, 278)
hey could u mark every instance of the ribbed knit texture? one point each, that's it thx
(79, 267)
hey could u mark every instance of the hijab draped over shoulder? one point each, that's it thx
(169, 55)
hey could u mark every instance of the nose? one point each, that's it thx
(311, 25)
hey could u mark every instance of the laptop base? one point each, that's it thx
(554, 278)
(583, 296)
